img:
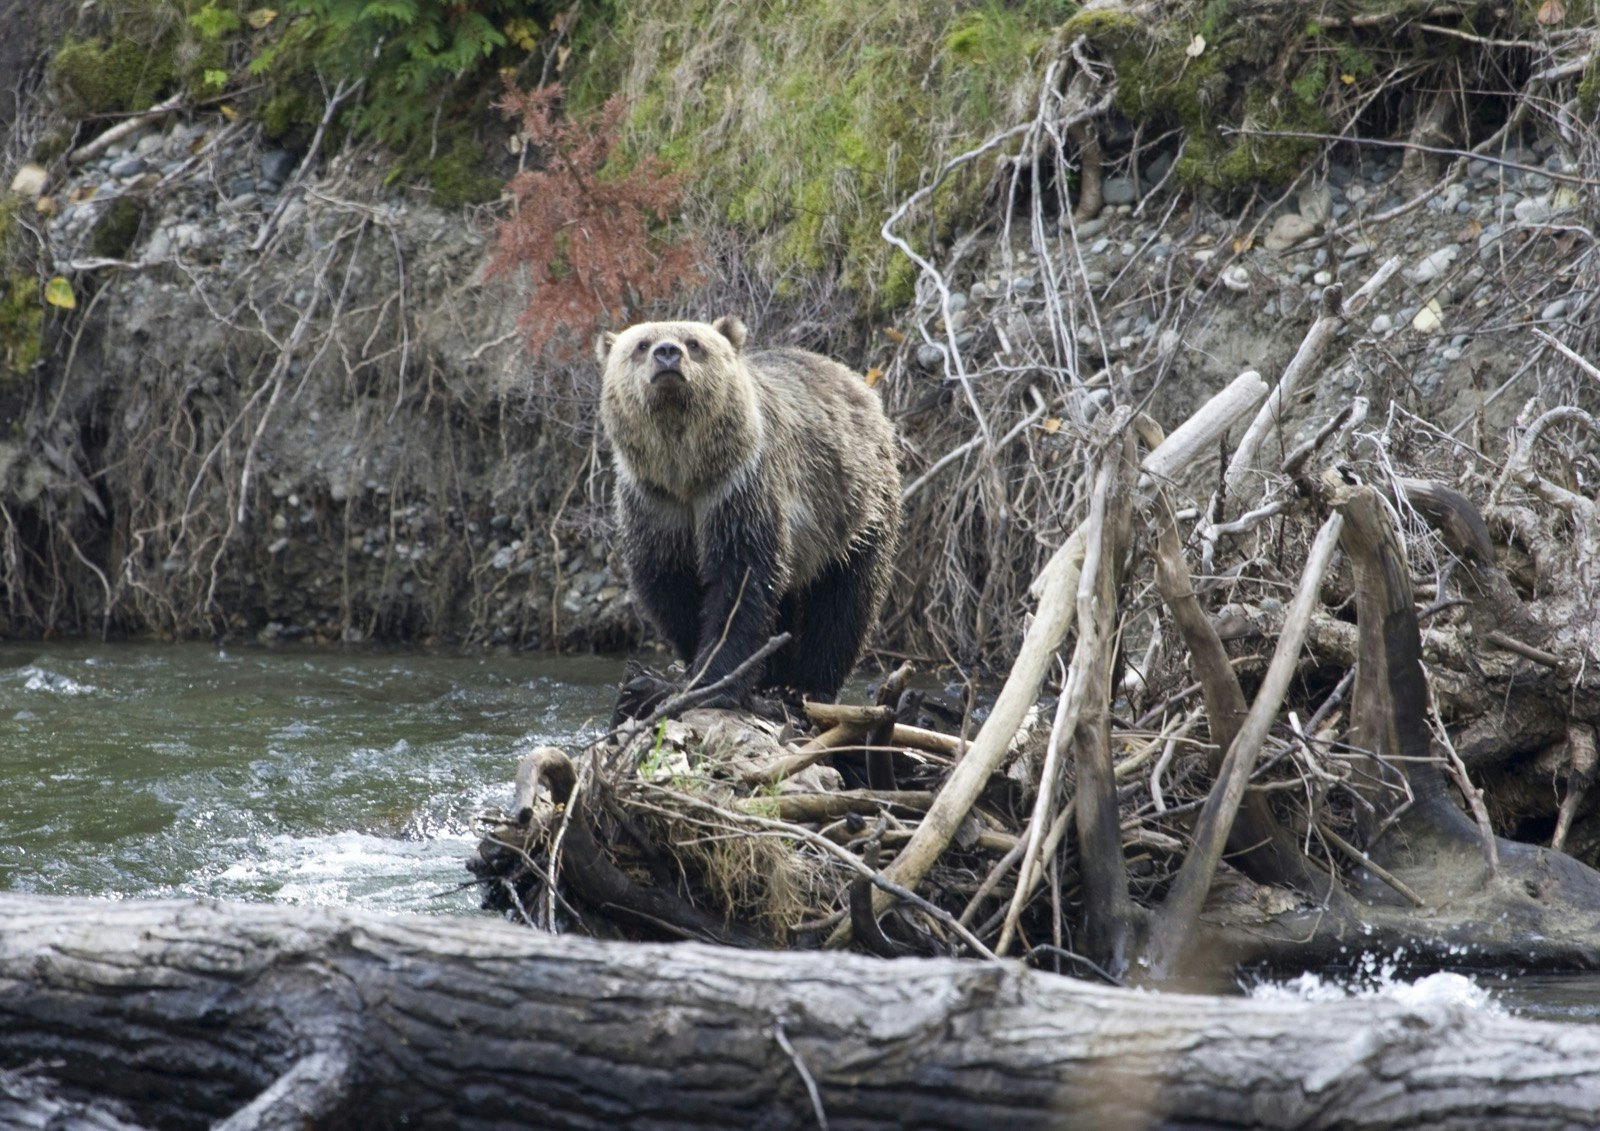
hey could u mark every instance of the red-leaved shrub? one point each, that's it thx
(590, 239)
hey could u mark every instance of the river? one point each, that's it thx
(319, 776)
(301, 776)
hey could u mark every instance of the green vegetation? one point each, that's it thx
(145, 49)
(1204, 78)
(804, 124)
(115, 232)
(21, 300)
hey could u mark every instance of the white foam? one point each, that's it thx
(342, 869)
(38, 679)
(1376, 978)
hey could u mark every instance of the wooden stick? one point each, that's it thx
(98, 145)
(1265, 851)
(1198, 435)
(832, 806)
(1054, 589)
(1179, 912)
(1308, 357)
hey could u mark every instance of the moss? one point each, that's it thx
(94, 77)
(115, 232)
(21, 301)
(290, 118)
(1589, 88)
(21, 324)
(457, 176)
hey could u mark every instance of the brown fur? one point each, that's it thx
(733, 460)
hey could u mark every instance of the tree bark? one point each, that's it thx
(171, 1014)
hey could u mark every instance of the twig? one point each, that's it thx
(1367, 862)
(116, 133)
(805, 1073)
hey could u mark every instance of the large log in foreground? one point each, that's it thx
(169, 1014)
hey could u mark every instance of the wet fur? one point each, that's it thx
(757, 493)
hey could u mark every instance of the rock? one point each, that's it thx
(241, 185)
(1322, 278)
(30, 181)
(1430, 267)
(1316, 204)
(1236, 278)
(159, 248)
(1355, 192)
(1117, 190)
(1099, 246)
(1090, 228)
(1382, 324)
(1430, 319)
(1158, 168)
(1358, 250)
(1555, 310)
(277, 165)
(1534, 210)
(127, 167)
(930, 356)
(958, 302)
(1288, 230)
(1488, 238)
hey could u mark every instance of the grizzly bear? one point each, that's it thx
(757, 493)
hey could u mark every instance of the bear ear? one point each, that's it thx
(731, 328)
(602, 346)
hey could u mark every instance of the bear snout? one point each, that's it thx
(667, 355)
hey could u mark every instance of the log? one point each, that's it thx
(187, 1014)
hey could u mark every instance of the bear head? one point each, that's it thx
(668, 366)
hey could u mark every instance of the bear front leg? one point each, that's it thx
(740, 555)
(663, 572)
(833, 616)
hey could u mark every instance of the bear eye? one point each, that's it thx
(643, 346)
(693, 344)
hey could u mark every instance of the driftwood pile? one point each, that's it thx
(1251, 752)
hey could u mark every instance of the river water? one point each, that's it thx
(349, 778)
(301, 776)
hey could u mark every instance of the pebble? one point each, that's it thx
(127, 167)
(1534, 210)
(1430, 319)
(930, 356)
(1099, 246)
(30, 182)
(1288, 230)
(1236, 278)
(277, 165)
(1382, 324)
(1091, 228)
(1435, 264)
(1358, 250)
(1555, 310)
(1355, 193)
(1117, 190)
(1316, 204)
(1322, 278)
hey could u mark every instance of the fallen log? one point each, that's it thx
(178, 1014)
